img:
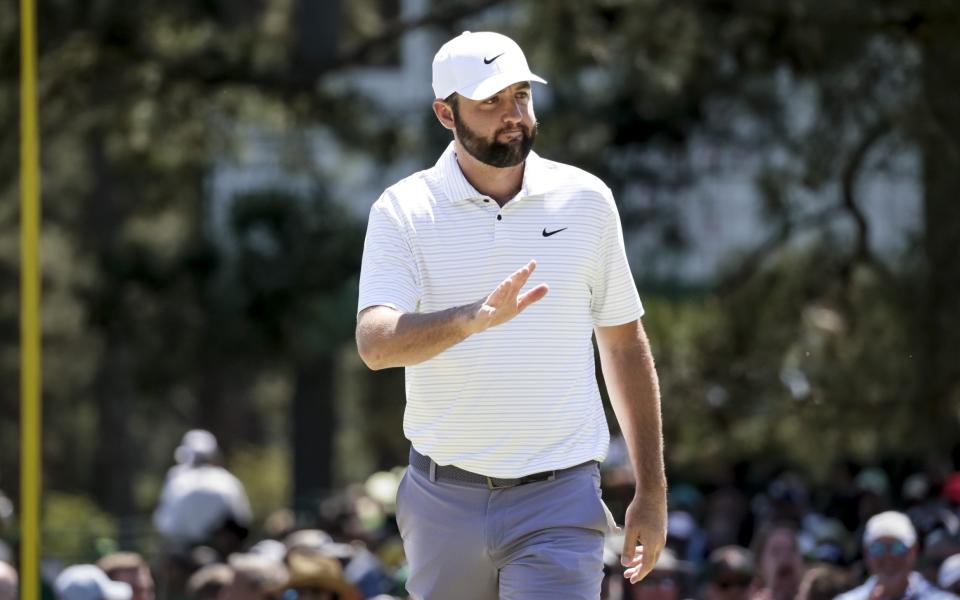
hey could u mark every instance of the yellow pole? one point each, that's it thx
(29, 309)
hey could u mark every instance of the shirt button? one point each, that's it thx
(499, 217)
(486, 199)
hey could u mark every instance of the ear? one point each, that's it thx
(444, 114)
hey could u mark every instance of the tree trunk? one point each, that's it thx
(313, 427)
(115, 451)
(940, 364)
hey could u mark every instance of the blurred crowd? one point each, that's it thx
(865, 536)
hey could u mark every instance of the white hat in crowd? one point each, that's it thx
(890, 524)
(197, 444)
(88, 582)
(478, 65)
(949, 573)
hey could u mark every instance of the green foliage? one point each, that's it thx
(73, 527)
(265, 474)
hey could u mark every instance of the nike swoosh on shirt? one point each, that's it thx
(487, 61)
(549, 233)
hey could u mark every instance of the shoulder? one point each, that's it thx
(922, 588)
(412, 194)
(564, 176)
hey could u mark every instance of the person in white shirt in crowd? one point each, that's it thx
(8, 582)
(890, 553)
(201, 501)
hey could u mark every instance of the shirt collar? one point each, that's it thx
(458, 189)
(917, 586)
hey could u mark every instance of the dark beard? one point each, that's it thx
(494, 153)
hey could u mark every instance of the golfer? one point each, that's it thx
(485, 276)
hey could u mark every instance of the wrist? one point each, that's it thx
(651, 490)
(466, 318)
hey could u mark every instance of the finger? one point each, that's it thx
(637, 573)
(634, 559)
(642, 570)
(532, 296)
(522, 274)
(631, 545)
(499, 294)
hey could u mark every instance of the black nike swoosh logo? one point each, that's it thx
(549, 233)
(487, 61)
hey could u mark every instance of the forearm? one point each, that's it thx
(634, 392)
(389, 338)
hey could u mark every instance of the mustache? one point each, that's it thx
(520, 127)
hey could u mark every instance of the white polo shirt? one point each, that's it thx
(521, 397)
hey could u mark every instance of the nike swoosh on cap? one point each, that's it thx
(487, 61)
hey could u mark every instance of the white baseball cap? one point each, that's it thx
(478, 65)
(89, 582)
(890, 524)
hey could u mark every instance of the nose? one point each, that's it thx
(514, 113)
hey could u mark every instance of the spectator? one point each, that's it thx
(314, 576)
(727, 515)
(89, 582)
(207, 582)
(949, 576)
(779, 563)
(255, 577)
(823, 582)
(937, 547)
(669, 580)
(890, 551)
(130, 568)
(827, 540)
(874, 487)
(8, 582)
(684, 536)
(730, 571)
(6, 521)
(201, 502)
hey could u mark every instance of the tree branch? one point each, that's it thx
(848, 183)
(755, 260)
(848, 201)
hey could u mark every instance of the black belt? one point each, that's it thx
(451, 473)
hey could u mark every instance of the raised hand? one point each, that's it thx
(505, 302)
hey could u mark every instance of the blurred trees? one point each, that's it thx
(818, 344)
(813, 343)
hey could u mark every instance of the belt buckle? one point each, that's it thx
(491, 485)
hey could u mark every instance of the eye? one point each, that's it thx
(523, 95)
(491, 100)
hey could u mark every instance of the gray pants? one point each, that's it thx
(464, 541)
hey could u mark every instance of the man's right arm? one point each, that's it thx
(387, 337)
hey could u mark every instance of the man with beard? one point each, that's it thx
(503, 411)
(890, 553)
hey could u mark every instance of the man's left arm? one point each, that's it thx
(634, 391)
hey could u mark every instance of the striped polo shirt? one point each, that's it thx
(521, 397)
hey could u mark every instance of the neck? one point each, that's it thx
(894, 587)
(501, 184)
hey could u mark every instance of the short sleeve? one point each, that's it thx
(388, 273)
(615, 300)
